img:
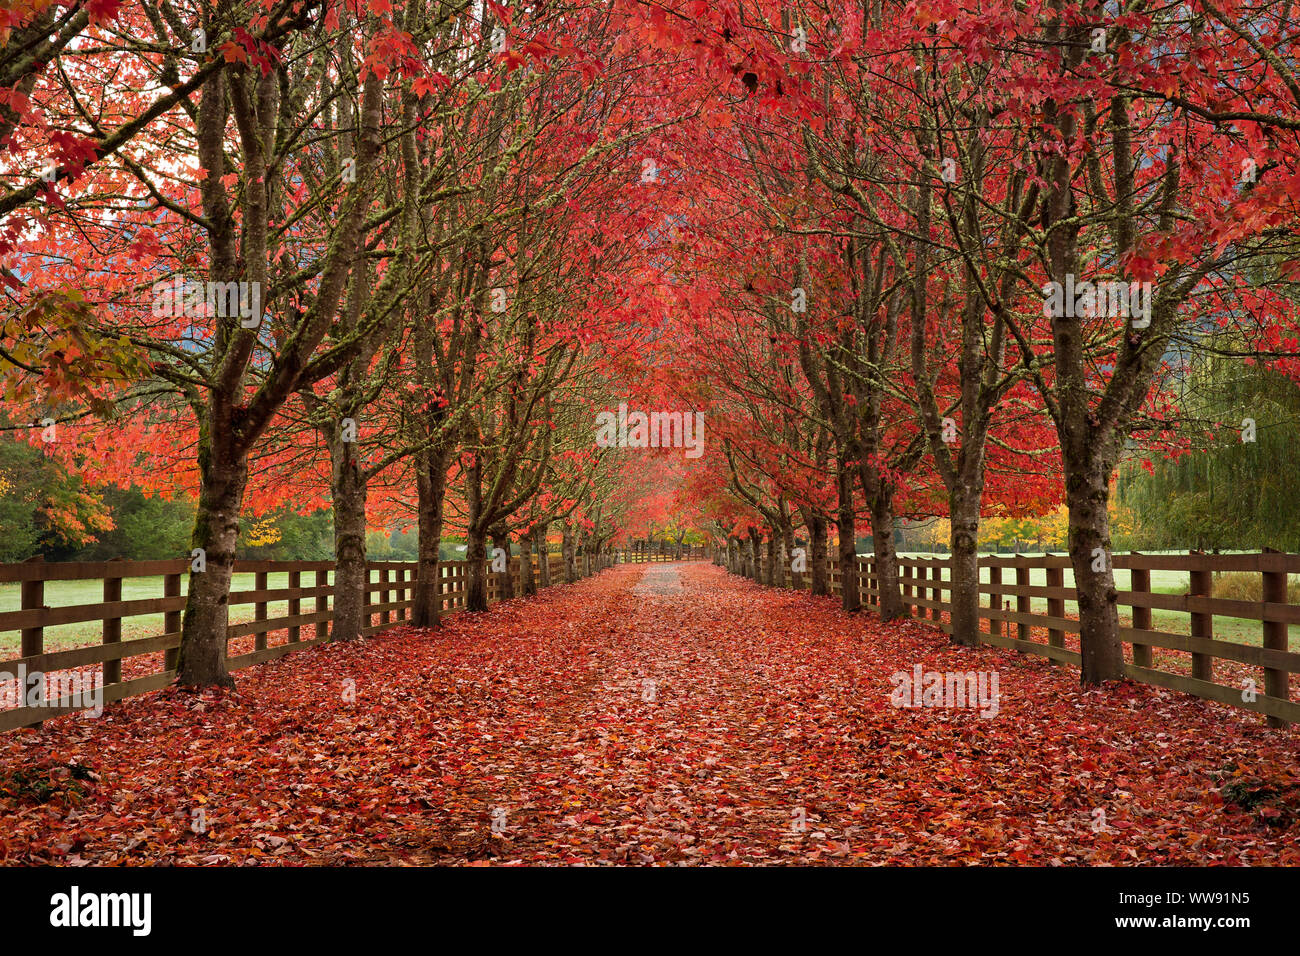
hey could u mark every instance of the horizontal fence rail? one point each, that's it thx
(926, 586)
(251, 639)
(668, 553)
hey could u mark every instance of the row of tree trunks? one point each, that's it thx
(579, 562)
(792, 565)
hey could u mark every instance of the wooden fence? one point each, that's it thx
(631, 556)
(1006, 607)
(306, 620)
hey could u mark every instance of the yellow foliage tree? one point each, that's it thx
(264, 532)
(934, 534)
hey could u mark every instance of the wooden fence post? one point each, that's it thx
(1022, 602)
(1276, 682)
(995, 599)
(1140, 583)
(1055, 607)
(295, 607)
(172, 621)
(386, 576)
(322, 579)
(367, 601)
(1202, 624)
(112, 630)
(260, 583)
(33, 597)
(32, 639)
(936, 591)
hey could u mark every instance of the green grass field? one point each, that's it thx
(67, 593)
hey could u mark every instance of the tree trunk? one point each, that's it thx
(348, 489)
(755, 555)
(566, 549)
(476, 570)
(769, 574)
(543, 556)
(963, 509)
(431, 486)
(1090, 438)
(1087, 492)
(202, 660)
(501, 539)
(850, 596)
(780, 559)
(527, 585)
(787, 545)
(886, 558)
(817, 560)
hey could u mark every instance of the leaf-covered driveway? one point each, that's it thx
(653, 714)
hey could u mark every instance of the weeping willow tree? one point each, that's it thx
(1238, 486)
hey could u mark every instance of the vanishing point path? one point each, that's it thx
(655, 713)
